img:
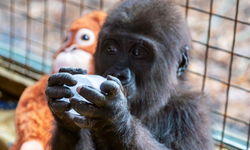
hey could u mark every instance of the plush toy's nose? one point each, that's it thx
(71, 48)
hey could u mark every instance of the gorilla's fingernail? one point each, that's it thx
(75, 81)
(70, 99)
(78, 89)
(109, 77)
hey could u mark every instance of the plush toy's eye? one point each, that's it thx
(85, 37)
(67, 39)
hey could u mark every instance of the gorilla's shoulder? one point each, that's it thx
(188, 101)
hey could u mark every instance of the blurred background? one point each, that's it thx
(31, 32)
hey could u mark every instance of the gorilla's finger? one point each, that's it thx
(113, 78)
(58, 92)
(91, 94)
(84, 122)
(110, 87)
(61, 79)
(85, 108)
(73, 70)
(59, 107)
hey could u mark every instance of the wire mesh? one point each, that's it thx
(223, 141)
(28, 50)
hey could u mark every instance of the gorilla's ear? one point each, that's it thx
(184, 62)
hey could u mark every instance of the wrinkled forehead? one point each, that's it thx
(126, 38)
(121, 37)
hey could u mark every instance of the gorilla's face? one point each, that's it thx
(126, 57)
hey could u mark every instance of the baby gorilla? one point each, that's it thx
(145, 103)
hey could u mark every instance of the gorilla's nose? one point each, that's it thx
(123, 74)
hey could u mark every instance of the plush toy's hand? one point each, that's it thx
(56, 91)
(32, 145)
(109, 106)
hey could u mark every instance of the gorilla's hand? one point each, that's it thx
(109, 109)
(55, 91)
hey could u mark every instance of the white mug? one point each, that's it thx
(91, 80)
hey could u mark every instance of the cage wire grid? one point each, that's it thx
(24, 68)
(232, 53)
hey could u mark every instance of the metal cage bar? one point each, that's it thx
(230, 74)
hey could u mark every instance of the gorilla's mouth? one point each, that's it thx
(130, 90)
(128, 82)
(125, 80)
(123, 74)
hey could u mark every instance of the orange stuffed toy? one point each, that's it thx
(34, 120)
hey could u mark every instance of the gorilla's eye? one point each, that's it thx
(136, 52)
(85, 37)
(111, 48)
(139, 52)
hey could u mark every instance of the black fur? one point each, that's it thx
(161, 112)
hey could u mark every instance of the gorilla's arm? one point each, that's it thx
(108, 117)
(131, 135)
(66, 140)
(184, 123)
(66, 135)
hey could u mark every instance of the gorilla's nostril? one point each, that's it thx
(122, 78)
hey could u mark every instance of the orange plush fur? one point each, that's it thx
(34, 120)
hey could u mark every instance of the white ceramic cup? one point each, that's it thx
(91, 80)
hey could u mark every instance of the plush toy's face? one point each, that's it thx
(74, 53)
(80, 43)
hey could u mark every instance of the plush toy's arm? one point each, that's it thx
(33, 116)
